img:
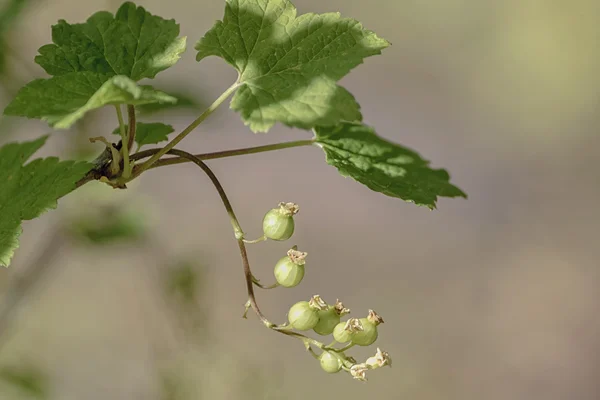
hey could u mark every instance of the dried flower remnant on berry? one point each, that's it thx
(375, 318)
(297, 257)
(359, 372)
(289, 209)
(340, 309)
(354, 325)
(317, 303)
(381, 359)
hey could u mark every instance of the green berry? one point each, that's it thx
(367, 336)
(330, 363)
(302, 316)
(328, 320)
(278, 224)
(289, 270)
(340, 334)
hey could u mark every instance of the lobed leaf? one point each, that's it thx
(29, 190)
(133, 43)
(288, 66)
(64, 99)
(357, 152)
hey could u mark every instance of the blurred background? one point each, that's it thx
(490, 298)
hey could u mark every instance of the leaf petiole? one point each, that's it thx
(132, 126)
(145, 166)
(124, 143)
(221, 154)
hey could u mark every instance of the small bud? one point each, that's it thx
(359, 372)
(297, 257)
(381, 359)
(374, 318)
(340, 309)
(317, 303)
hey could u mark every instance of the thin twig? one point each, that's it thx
(96, 174)
(220, 154)
(242, 246)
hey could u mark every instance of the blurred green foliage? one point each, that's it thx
(111, 225)
(9, 13)
(26, 381)
(182, 282)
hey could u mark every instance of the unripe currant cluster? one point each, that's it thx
(315, 314)
(324, 320)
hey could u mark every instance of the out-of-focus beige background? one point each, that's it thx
(495, 297)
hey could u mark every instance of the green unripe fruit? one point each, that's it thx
(340, 334)
(289, 270)
(302, 316)
(367, 336)
(330, 363)
(287, 273)
(328, 320)
(278, 224)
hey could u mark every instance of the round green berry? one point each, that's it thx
(328, 320)
(302, 316)
(340, 334)
(278, 224)
(367, 336)
(289, 270)
(330, 363)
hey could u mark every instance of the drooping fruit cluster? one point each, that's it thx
(324, 320)
(315, 314)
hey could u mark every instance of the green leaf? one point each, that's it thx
(64, 99)
(289, 65)
(133, 43)
(183, 101)
(149, 133)
(356, 151)
(27, 380)
(27, 191)
(2, 56)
